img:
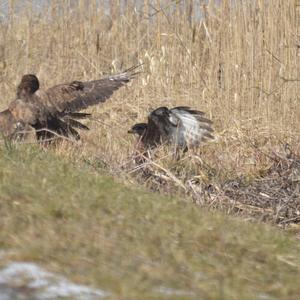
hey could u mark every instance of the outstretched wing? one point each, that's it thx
(73, 97)
(67, 99)
(192, 127)
(64, 99)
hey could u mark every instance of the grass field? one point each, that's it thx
(86, 210)
(133, 243)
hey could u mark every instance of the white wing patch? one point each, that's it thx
(192, 129)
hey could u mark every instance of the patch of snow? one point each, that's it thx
(28, 279)
(263, 296)
(173, 292)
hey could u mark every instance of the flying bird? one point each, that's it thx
(180, 126)
(56, 111)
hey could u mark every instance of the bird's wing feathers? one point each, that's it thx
(74, 123)
(193, 128)
(69, 98)
(64, 101)
(79, 115)
(189, 109)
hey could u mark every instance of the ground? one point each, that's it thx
(133, 243)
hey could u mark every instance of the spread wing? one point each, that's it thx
(192, 127)
(57, 108)
(69, 98)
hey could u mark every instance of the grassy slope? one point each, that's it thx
(131, 242)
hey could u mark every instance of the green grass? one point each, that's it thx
(130, 242)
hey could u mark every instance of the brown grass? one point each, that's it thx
(240, 64)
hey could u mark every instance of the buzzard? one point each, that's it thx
(55, 111)
(180, 126)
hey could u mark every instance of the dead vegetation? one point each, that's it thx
(273, 195)
(238, 61)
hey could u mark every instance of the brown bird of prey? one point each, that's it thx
(180, 126)
(55, 111)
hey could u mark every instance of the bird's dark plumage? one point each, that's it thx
(180, 126)
(56, 109)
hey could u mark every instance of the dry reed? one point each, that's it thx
(239, 61)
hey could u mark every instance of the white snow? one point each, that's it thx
(173, 292)
(41, 284)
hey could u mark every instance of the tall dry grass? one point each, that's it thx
(239, 62)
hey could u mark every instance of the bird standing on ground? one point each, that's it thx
(180, 126)
(55, 111)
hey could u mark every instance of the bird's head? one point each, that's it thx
(138, 129)
(28, 85)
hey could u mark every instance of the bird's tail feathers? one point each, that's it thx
(73, 123)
